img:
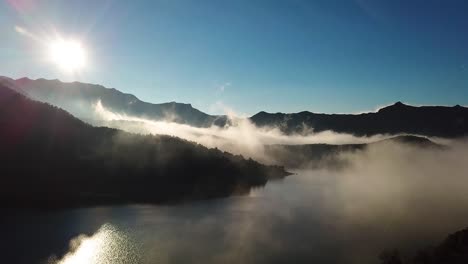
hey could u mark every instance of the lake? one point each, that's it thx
(315, 216)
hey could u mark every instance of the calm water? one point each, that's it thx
(312, 216)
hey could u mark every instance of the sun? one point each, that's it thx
(69, 55)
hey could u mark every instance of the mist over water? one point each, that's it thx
(241, 137)
(389, 196)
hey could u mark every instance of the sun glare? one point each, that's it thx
(69, 55)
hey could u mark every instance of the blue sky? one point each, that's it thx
(251, 55)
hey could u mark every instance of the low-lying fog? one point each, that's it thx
(389, 195)
(242, 137)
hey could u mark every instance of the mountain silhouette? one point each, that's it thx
(79, 99)
(52, 159)
(439, 121)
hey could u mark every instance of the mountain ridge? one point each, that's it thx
(394, 119)
(398, 118)
(78, 98)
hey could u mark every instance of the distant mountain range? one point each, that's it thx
(50, 158)
(438, 121)
(78, 99)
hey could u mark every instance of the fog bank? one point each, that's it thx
(242, 137)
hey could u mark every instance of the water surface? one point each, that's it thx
(313, 216)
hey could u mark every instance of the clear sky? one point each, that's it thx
(250, 55)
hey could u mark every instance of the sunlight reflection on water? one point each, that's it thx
(107, 245)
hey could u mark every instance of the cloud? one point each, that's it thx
(241, 137)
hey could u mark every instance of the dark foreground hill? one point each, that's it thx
(50, 158)
(438, 121)
(453, 250)
(79, 99)
(327, 155)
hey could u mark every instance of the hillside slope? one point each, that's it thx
(327, 155)
(79, 99)
(50, 158)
